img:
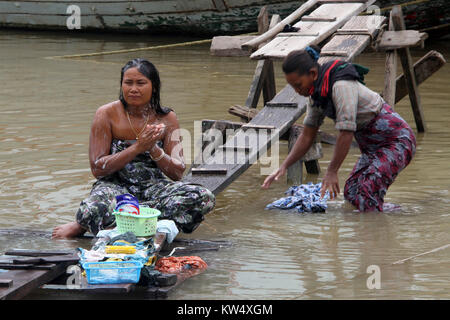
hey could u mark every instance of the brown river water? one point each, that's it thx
(46, 110)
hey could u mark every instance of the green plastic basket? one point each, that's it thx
(141, 225)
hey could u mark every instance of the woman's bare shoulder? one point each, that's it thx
(108, 112)
(170, 118)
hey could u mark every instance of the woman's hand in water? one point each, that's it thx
(274, 176)
(330, 183)
(152, 134)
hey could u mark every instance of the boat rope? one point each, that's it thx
(165, 46)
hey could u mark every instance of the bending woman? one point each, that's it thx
(386, 141)
(134, 145)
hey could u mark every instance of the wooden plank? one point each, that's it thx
(258, 127)
(254, 44)
(298, 34)
(230, 46)
(15, 266)
(424, 68)
(242, 112)
(281, 105)
(333, 53)
(263, 20)
(26, 281)
(256, 85)
(6, 283)
(37, 253)
(319, 18)
(407, 64)
(209, 171)
(353, 44)
(73, 258)
(280, 47)
(280, 118)
(236, 148)
(391, 72)
(391, 40)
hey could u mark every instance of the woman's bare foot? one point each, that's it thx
(68, 230)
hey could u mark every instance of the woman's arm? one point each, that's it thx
(102, 163)
(301, 147)
(331, 181)
(171, 160)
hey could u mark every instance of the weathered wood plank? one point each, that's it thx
(424, 68)
(26, 281)
(353, 44)
(229, 46)
(253, 44)
(37, 253)
(6, 283)
(407, 64)
(281, 118)
(280, 47)
(391, 40)
(391, 72)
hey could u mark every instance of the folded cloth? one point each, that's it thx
(304, 198)
(169, 227)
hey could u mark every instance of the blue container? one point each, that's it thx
(110, 272)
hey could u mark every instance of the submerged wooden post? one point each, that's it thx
(408, 70)
(391, 72)
(295, 172)
(310, 159)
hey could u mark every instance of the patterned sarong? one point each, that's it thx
(185, 204)
(387, 144)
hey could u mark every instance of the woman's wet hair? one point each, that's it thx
(301, 61)
(149, 70)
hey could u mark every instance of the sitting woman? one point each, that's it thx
(386, 141)
(134, 144)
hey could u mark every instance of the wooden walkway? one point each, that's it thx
(252, 140)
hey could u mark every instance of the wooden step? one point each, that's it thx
(298, 34)
(209, 171)
(282, 105)
(318, 19)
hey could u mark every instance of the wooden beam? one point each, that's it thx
(263, 20)
(26, 281)
(391, 72)
(391, 40)
(407, 64)
(424, 68)
(264, 77)
(254, 44)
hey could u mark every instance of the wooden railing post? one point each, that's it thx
(408, 71)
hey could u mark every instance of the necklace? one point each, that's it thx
(132, 128)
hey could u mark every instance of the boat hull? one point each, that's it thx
(193, 17)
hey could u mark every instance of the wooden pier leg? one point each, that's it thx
(295, 172)
(264, 77)
(269, 87)
(407, 64)
(311, 158)
(391, 72)
(312, 166)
